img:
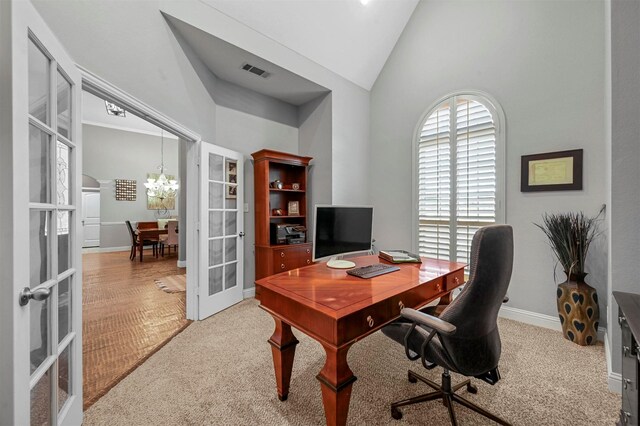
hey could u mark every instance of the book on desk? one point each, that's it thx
(399, 256)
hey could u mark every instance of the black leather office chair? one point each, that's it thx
(464, 338)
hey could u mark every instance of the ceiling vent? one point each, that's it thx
(255, 70)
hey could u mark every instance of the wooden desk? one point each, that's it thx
(148, 234)
(337, 310)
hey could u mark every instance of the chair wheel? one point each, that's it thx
(396, 414)
(471, 388)
(412, 379)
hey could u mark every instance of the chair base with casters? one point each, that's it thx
(447, 393)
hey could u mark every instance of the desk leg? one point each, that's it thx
(283, 348)
(336, 379)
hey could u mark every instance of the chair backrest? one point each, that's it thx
(131, 232)
(172, 234)
(475, 347)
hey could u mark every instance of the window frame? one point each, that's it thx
(500, 130)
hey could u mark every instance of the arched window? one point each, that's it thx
(460, 177)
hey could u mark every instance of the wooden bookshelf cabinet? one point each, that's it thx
(268, 167)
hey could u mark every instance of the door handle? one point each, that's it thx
(241, 234)
(40, 294)
(83, 223)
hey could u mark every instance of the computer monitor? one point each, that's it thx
(340, 230)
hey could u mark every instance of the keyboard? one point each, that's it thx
(371, 271)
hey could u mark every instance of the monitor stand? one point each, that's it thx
(336, 263)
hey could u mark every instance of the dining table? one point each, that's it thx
(148, 234)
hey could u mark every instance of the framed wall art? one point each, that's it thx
(126, 190)
(155, 203)
(552, 171)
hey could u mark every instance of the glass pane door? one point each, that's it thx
(51, 236)
(221, 225)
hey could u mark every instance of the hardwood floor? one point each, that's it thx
(125, 317)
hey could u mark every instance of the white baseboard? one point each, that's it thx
(248, 293)
(182, 263)
(105, 249)
(614, 380)
(540, 320)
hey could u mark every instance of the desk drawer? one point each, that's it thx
(454, 280)
(291, 257)
(374, 317)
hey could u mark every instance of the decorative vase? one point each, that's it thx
(578, 310)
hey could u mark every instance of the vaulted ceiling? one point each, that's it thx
(347, 37)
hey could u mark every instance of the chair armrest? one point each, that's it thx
(430, 321)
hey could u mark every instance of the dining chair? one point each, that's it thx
(154, 239)
(135, 242)
(171, 238)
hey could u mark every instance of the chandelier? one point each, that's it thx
(162, 187)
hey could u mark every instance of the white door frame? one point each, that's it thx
(105, 90)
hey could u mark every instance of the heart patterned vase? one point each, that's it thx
(578, 310)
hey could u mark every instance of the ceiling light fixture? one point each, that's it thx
(364, 2)
(113, 109)
(162, 187)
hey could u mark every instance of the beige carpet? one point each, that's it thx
(220, 372)
(172, 283)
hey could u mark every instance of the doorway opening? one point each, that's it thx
(134, 261)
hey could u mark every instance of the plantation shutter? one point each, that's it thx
(445, 228)
(434, 185)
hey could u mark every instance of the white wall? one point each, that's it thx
(544, 63)
(315, 137)
(348, 182)
(130, 45)
(110, 154)
(247, 133)
(625, 157)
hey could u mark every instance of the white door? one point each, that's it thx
(91, 219)
(221, 226)
(40, 156)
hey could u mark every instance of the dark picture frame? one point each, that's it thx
(552, 171)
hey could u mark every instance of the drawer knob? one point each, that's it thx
(308, 251)
(626, 382)
(282, 266)
(401, 305)
(308, 261)
(622, 319)
(456, 280)
(370, 321)
(281, 254)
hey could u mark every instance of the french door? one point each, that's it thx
(221, 229)
(41, 346)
